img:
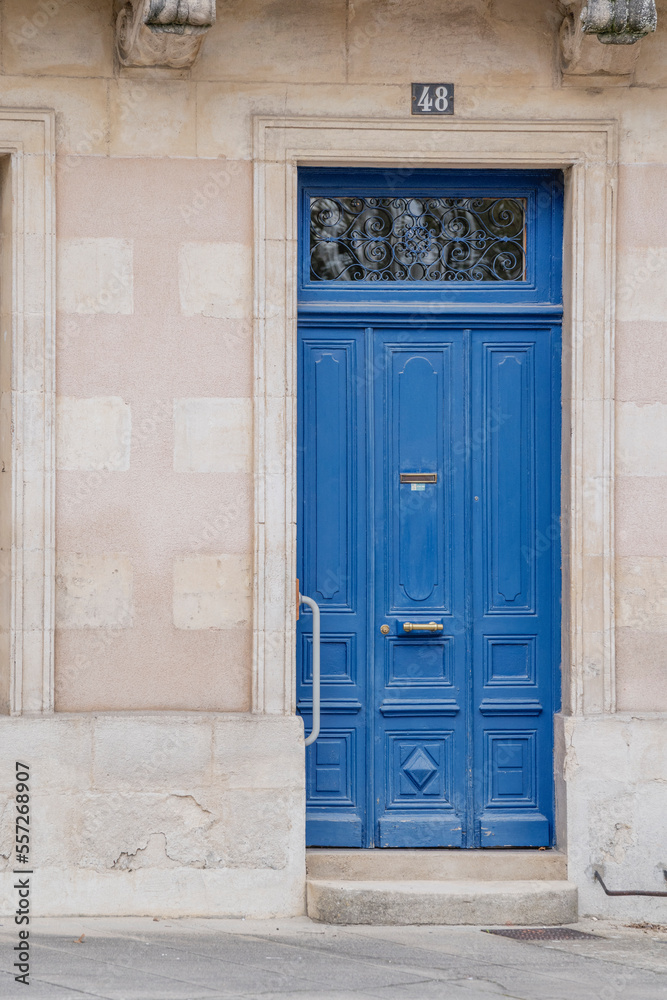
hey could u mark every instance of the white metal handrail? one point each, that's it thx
(315, 732)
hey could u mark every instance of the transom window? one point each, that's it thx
(473, 239)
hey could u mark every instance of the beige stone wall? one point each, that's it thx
(155, 297)
(154, 436)
(155, 376)
(155, 300)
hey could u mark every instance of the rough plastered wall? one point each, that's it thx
(154, 452)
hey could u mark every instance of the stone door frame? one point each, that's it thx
(587, 153)
(27, 411)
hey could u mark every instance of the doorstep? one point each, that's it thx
(440, 887)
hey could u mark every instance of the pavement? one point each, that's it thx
(207, 959)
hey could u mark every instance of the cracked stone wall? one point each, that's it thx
(616, 774)
(154, 445)
(165, 814)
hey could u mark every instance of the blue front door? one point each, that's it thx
(428, 509)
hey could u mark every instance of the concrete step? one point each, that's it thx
(350, 865)
(458, 901)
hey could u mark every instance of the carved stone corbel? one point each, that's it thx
(162, 32)
(619, 24)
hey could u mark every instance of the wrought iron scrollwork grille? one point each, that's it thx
(417, 239)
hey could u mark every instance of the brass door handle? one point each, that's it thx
(429, 627)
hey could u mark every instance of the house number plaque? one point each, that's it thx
(432, 98)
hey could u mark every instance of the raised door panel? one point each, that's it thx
(420, 687)
(332, 570)
(514, 582)
(419, 441)
(329, 528)
(509, 476)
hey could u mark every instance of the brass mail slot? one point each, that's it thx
(419, 477)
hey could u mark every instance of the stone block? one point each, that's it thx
(165, 892)
(641, 516)
(212, 435)
(641, 439)
(612, 799)
(215, 279)
(640, 428)
(58, 37)
(150, 117)
(81, 119)
(196, 513)
(294, 42)
(509, 52)
(251, 755)
(93, 434)
(641, 361)
(648, 755)
(57, 750)
(119, 195)
(256, 828)
(168, 753)
(641, 593)
(95, 276)
(181, 670)
(213, 591)
(116, 827)
(645, 689)
(642, 201)
(94, 590)
(642, 283)
(55, 824)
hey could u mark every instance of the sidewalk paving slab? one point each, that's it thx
(212, 959)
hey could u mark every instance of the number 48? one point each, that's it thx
(439, 102)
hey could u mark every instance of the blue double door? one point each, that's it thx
(428, 533)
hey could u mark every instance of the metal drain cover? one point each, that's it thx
(542, 933)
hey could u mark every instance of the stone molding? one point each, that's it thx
(27, 411)
(584, 62)
(587, 152)
(165, 33)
